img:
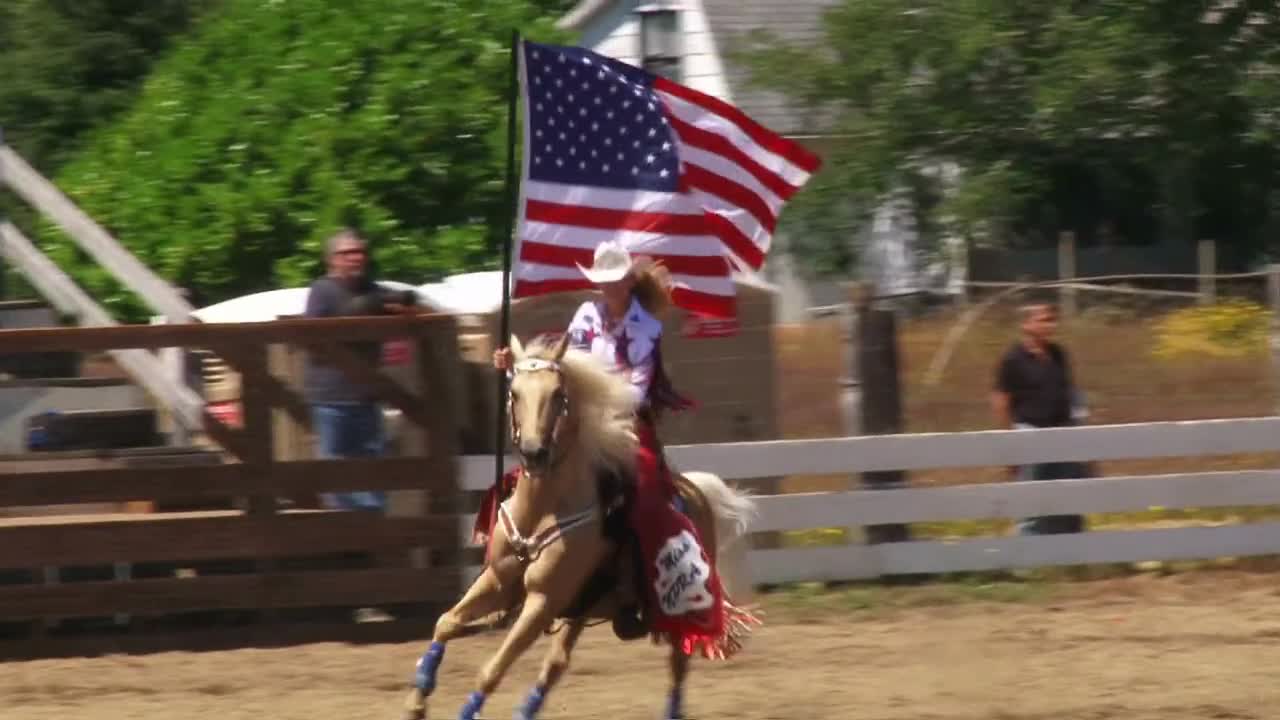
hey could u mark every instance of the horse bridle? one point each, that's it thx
(559, 397)
(528, 549)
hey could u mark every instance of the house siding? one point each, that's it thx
(701, 65)
(615, 33)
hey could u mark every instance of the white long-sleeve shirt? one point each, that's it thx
(635, 336)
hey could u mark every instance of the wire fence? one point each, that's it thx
(1143, 349)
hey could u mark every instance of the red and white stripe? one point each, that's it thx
(736, 176)
(740, 172)
(561, 226)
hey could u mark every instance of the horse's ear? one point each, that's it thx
(516, 348)
(562, 347)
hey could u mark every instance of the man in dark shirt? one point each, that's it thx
(346, 415)
(1034, 389)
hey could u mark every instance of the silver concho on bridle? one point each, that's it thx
(534, 365)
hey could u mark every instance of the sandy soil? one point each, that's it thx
(1139, 649)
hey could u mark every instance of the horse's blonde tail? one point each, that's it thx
(734, 511)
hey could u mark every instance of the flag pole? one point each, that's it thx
(504, 325)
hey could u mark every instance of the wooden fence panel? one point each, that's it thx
(863, 508)
(115, 481)
(261, 557)
(801, 511)
(209, 535)
(226, 592)
(861, 562)
(926, 451)
(986, 448)
(219, 336)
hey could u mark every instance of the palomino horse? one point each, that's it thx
(570, 419)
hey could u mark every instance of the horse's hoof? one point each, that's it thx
(415, 706)
(532, 705)
(471, 710)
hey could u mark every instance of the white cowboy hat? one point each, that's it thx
(611, 263)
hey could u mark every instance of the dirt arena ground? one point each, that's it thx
(1146, 648)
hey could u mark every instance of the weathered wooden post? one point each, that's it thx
(851, 380)
(257, 444)
(1066, 272)
(1273, 299)
(1207, 263)
(4, 266)
(880, 406)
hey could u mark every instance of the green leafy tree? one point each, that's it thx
(278, 122)
(1155, 118)
(71, 65)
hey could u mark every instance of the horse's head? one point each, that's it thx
(538, 403)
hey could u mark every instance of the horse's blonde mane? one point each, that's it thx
(602, 403)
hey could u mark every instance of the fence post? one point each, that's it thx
(255, 404)
(1067, 271)
(880, 410)
(252, 362)
(4, 266)
(850, 380)
(441, 384)
(1207, 263)
(1273, 299)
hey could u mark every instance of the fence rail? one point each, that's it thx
(744, 461)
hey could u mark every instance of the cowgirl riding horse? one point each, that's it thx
(621, 330)
(573, 418)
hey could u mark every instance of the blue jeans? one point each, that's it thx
(349, 430)
(1052, 524)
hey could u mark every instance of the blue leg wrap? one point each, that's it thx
(472, 708)
(424, 678)
(532, 704)
(675, 705)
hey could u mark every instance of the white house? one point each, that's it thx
(688, 41)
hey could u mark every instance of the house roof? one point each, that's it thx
(581, 13)
(730, 21)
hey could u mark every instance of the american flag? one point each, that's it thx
(612, 152)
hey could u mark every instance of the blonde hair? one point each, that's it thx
(653, 286)
(602, 402)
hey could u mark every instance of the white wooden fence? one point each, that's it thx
(743, 461)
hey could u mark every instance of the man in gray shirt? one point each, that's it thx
(346, 415)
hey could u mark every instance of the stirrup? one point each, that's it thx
(629, 623)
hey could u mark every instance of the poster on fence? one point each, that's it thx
(697, 325)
